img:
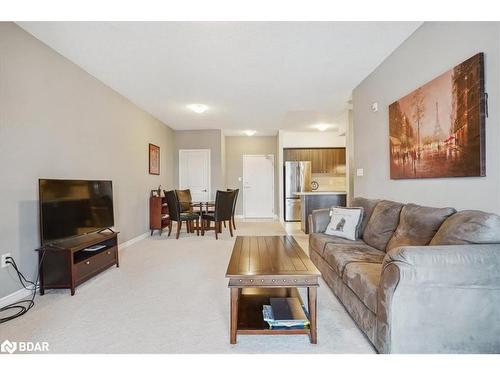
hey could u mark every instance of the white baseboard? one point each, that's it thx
(15, 297)
(23, 293)
(242, 217)
(132, 241)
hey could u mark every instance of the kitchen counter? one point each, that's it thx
(315, 200)
(321, 193)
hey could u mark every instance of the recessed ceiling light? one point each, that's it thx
(250, 132)
(322, 127)
(198, 108)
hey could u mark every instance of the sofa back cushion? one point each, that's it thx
(418, 225)
(382, 224)
(368, 206)
(468, 227)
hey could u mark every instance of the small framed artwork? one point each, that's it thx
(154, 159)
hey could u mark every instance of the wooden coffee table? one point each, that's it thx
(265, 267)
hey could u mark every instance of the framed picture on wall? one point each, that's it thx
(438, 130)
(154, 159)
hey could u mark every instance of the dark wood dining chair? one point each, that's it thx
(223, 211)
(174, 210)
(236, 191)
(185, 200)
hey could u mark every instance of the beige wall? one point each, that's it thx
(236, 147)
(203, 139)
(57, 121)
(433, 49)
(349, 157)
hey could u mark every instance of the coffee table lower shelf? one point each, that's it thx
(249, 307)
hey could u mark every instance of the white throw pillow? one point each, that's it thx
(345, 222)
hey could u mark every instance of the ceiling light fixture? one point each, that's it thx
(322, 127)
(198, 108)
(250, 132)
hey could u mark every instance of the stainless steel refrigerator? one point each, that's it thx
(297, 179)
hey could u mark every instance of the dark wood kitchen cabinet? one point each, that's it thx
(330, 161)
(290, 154)
(318, 161)
(335, 161)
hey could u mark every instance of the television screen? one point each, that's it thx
(74, 207)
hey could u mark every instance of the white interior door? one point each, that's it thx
(194, 173)
(258, 186)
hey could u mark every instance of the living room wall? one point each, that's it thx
(433, 49)
(210, 139)
(57, 121)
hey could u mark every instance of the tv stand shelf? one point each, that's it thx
(66, 264)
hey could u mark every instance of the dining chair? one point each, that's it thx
(223, 211)
(174, 210)
(186, 202)
(236, 191)
(185, 199)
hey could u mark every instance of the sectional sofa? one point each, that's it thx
(419, 279)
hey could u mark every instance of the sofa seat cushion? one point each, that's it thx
(418, 225)
(382, 224)
(468, 227)
(338, 256)
(318, 242)
(363, 279)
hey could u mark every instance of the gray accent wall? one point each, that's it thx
(236, 147)
(57, 121)
(433, 49)
(212, 140)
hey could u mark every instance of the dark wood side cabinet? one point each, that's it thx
(158, 214)
(67, 264)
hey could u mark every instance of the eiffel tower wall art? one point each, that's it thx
(438, 130)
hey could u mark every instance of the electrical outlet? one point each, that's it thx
(3, 262)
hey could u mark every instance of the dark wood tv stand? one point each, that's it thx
(66, 264)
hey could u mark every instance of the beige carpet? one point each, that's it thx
(170, 296)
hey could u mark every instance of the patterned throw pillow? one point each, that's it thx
(345, 222)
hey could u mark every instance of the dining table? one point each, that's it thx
(207, 205)
(202, 207)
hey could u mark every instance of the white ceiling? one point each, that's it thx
(253, 75)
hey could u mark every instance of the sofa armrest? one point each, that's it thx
(439, 299)
(319, 220)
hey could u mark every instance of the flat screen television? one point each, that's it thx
(71, 208)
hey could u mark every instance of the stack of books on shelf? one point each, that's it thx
(285, 313)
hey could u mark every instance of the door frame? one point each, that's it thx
(273, 184)
(181, 151)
